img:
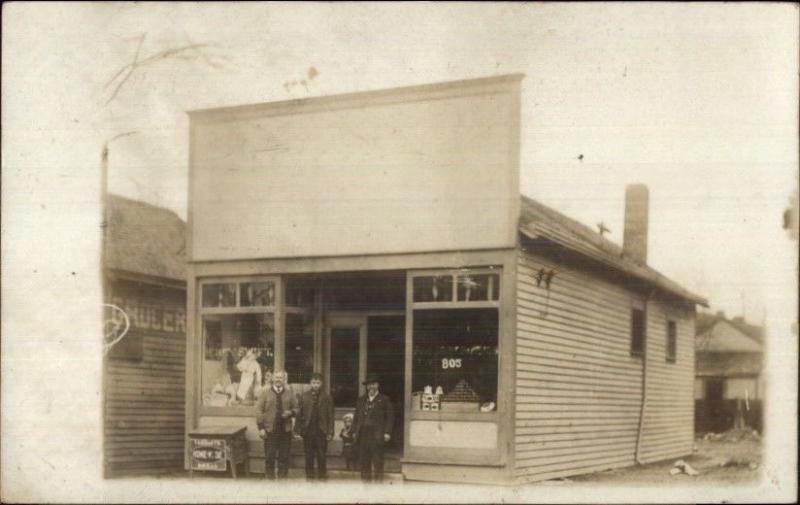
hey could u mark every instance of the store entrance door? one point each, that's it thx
(386, 358)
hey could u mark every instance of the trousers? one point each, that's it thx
(370, 452)
(276, 451)
(315, 444)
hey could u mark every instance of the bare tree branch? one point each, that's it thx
(186, 52)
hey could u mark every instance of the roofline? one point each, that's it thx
(735, 327)
(127, 275)
(660, 282)
(142, 203)
(354, 99)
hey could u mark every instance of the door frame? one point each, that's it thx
(351, 319)
(340, 319)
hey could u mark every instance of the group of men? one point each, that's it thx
(313, 420)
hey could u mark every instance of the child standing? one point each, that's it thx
(348, 442)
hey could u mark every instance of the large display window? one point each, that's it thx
(455, 345)
(239, 327)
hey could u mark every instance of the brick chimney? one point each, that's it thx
(634, 240)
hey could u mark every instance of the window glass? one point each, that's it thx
(219, 295)
(238, 357)
(257, 294)
(299, 347)
(637, 332)
(344, 366)
(478, 287)
(299, 294)
(455, 360)
(434, 288)
(672, 342)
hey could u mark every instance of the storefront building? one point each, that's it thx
(383, 232)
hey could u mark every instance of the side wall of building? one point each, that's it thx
(144, 383)
(578, 388)
(668, 428)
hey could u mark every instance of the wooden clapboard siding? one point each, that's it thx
(144, 427)
(578, 390)
(668, 427)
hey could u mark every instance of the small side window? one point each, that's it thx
(672, 342)
(637, 332)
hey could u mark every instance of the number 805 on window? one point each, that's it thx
(451, 363)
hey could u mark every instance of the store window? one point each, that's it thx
(455, 347)
(238, 326)
(238, 357)
(433, 288)
(219, 295)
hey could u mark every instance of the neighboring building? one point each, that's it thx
(144, 375)
(384, 232)
(729, 388)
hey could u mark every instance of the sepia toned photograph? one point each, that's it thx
(404, 252)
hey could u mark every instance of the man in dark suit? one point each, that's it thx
(372, 426)
(315, 424)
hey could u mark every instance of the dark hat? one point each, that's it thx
(317, 376)
(371, 378)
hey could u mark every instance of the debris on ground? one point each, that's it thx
(733, 435)
(738, 462)
(683, 467)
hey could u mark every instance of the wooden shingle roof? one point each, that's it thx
(144, 239)
(539, 222)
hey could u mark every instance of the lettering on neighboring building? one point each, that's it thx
(152, 317)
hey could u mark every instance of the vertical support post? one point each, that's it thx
(280, 324)
(409, 345)
(318, 329)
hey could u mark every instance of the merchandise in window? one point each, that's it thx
(257, 294)
(455, 355)
(434, 288)
(478, 287)
(238, 357)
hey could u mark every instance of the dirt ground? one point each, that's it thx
(731, 458)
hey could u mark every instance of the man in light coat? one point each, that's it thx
(275, 409)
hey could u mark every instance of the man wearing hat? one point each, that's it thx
(372, 426)
(315, 424)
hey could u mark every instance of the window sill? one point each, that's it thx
(423, 415)
(238, 411)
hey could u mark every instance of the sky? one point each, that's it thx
(698, 101)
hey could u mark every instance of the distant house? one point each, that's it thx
(728, 384)
(144, 370)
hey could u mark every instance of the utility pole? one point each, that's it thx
(104, 210)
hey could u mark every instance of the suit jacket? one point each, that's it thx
(382, 414)
(325, 417)
(267, 407)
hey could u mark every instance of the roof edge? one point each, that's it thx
(370, 95)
